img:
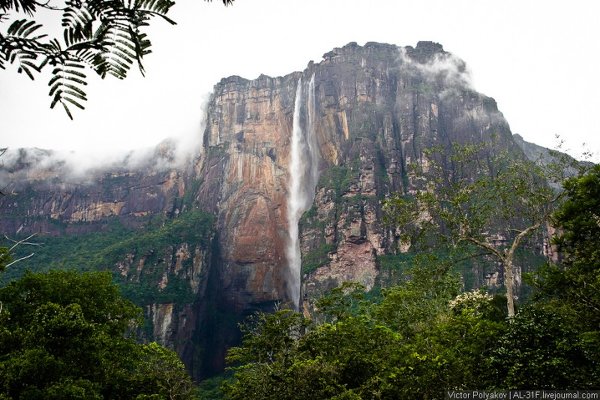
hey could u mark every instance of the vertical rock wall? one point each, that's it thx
(378, 108)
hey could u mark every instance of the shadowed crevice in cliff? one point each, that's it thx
(217, 322)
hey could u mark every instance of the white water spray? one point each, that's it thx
(303, 169)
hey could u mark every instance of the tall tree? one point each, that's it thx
(476, 195)
(554, 341)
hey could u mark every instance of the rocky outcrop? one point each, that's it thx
(245, 173)
(378, 108)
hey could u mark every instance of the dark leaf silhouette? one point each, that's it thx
(103, 35)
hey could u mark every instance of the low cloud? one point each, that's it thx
(21, 165)
(441, 68)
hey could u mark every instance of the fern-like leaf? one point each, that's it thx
(21, 46)
(118, 51)
(2, 55)
(24, 28)
(77, 22)
(27, 6)
(65, 85)
(148, 8)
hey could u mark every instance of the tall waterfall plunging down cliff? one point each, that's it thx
(294, 206)
(303, 179)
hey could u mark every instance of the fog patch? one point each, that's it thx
(442, 69)
(185, 147)
(451, 82)
(21, 165)
(18, 166)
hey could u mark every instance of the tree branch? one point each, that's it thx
(23, 241)
(586, 301)
(19, 259)
(484, 245)
(47, 6)
(521, 235)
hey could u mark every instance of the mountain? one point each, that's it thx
(281, 201)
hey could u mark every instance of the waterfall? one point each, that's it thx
(294, 207)
(303, 170)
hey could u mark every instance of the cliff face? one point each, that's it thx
(376, 109)
(372, 111)
(244, 169)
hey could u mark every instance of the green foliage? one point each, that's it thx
(418, 339)
(342, 302)
(568, 294)
(579, 219)
(339, 177)
(543, 348)
(5, 258)
(210, 389)
(67, 335)
(316, 258)
(410, 306)
(400, 262)
(268, 337)
(188, 195)
(80, 252)
(161, 373)
(467, 262)
(407, 344)
(576, 281)
(94, 293)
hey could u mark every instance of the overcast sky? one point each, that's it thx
(538, 59)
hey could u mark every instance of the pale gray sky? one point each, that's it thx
(538, 58)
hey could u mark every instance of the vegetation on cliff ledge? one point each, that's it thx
(103, 250)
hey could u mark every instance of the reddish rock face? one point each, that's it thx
(248, 137)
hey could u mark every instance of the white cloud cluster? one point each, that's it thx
(453, 79)
(20, 165)
(443, 68)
